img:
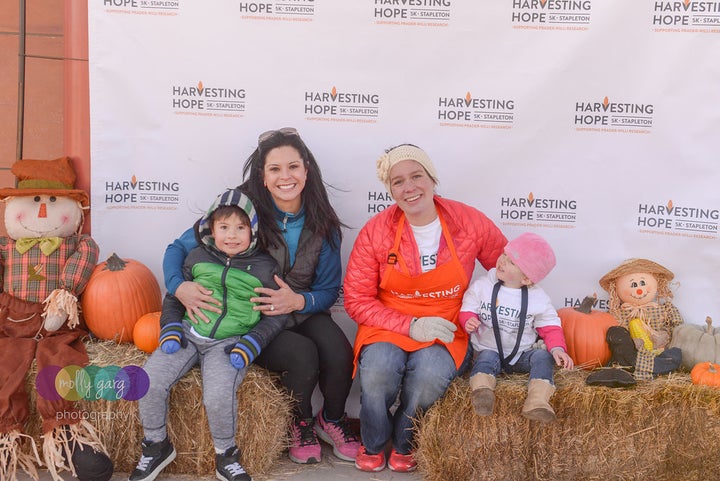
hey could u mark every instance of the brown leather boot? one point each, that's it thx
(537, 407)
(483, 393)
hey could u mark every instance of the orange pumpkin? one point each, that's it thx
(585, 330)
(118, 293)
(706, 373)
(146, 333)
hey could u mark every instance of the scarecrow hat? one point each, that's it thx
(45, 177)
(635, 265)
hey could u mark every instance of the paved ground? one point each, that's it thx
(331, 469)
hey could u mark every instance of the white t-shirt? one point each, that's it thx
(540, 313)
(428, 242)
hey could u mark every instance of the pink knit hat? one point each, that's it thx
(532, 254)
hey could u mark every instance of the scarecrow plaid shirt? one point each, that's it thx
(32, 276)
(663, 317)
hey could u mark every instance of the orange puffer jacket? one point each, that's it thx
(475, 237)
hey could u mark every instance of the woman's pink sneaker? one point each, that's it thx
(305, 447)
(339, 435)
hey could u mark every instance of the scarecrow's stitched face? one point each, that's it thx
(637, 288)
(42, 216)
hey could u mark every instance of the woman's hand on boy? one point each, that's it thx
(196, 298)
(278, 301)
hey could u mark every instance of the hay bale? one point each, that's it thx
(660, 430)
(264, 417)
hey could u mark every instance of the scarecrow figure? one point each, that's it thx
(45, 264)
(641, 301)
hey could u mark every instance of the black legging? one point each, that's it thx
(315, 351)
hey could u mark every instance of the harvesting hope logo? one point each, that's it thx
(92, 383)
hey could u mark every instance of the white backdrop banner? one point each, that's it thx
(591, 122)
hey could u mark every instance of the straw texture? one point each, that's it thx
(264, 417)
(665, 429)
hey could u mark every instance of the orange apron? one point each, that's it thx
(438, 292)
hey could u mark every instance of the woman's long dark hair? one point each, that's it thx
(320, 217)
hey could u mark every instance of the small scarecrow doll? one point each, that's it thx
(45, 264)
(641, 301)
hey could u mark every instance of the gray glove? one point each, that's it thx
(426, 329)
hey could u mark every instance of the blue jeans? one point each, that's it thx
(420, 378)
(538, 362)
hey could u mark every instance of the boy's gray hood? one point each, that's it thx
(229, 197)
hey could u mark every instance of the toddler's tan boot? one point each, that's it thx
(537, 407)
(483, 393)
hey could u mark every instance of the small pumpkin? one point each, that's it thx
(585, 329)
(697, 343)
(146, 333)
(118, 293)
(706, 374)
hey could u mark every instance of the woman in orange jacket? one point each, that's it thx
(405, 280)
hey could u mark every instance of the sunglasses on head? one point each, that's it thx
(270, 133)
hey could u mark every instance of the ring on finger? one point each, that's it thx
(272, 308)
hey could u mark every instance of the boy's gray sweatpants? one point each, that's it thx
(220, 382)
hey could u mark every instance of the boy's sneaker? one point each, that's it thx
(401, 463)
(369, 462)
(154, 458)
(227, 467)
(305, 447)
(339, 435)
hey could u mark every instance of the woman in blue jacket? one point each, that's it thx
(300, 229)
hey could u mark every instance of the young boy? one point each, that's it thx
(504, 312)
(228, 263)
